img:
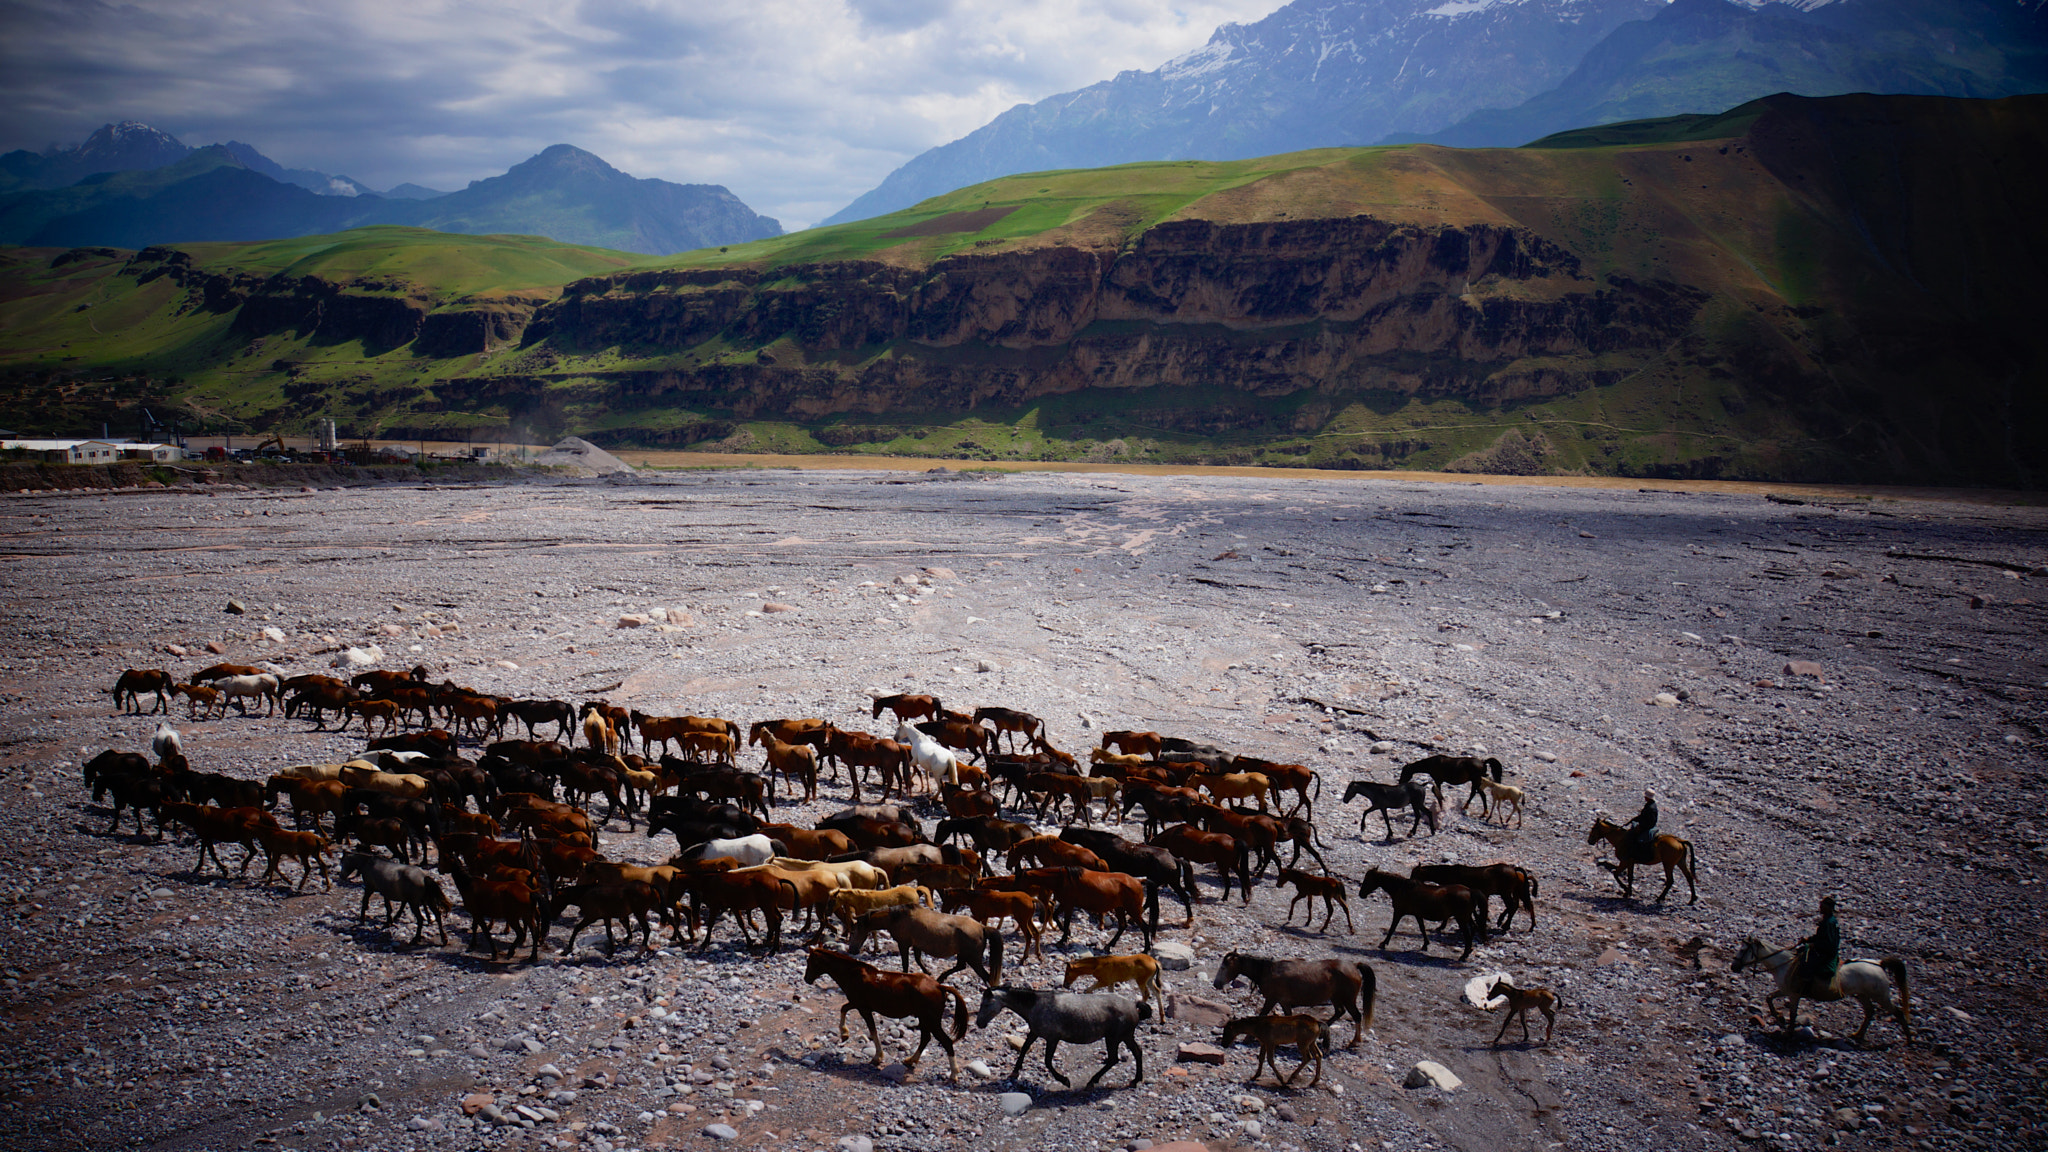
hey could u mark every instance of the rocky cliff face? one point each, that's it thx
(1353, 304)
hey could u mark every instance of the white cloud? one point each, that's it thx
(797, 105)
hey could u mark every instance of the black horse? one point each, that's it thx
(1384, 798)
(1454, 770)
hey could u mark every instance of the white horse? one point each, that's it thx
(166, 741)
(934, 759)
(263, 686)
(1869, 981)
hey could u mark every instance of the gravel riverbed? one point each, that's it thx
(1839, 696)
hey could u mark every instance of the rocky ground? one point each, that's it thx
(1596, 641)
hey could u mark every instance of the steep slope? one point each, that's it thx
(572, 196)
(307, 178)
(1697, 55)
(1315, 73)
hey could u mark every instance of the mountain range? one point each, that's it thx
(1794, 289)
(130, 186)
(1485, 73)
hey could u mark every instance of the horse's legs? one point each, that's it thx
(1388, 938)
(868, 1015)
(1668, 877)
(1029, 1036)
(1505, 1021)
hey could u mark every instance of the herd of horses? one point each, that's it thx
(514, 829)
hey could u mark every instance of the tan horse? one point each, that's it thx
(1669, 850)
(1865, 980)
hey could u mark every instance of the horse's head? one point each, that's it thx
(1602, 829)
(815, 967)
(993, 1001)
(1374, 881)
(1752, 951)
(1228, 971)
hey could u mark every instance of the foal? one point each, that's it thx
(1520, 1000)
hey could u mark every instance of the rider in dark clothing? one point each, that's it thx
(1642, 831)
(1821, 953)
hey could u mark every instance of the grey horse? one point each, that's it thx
(1080, 1017)
(403, 887)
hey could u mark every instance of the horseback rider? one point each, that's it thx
(1821, 953)
(1642, 832)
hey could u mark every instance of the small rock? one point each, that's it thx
(1196, 1011)
(549, 1071)
(980, 1068)
(1015, 1103)
(854, 1144)
(1250, 1104)
(1805, 668)
(175, 649)
(1381, 747)
(947, 573)
(492, 1113)
(1958, 1013)
(992, 666)
(476, 1102)
(634, 621)
(1587, 536)
(1252, 1129)
(721, 1132)
(1430, 1074)
(507, 665)
(513, 1043)
(1193, 1053)
(1286, 1112)
(1664, 700)
(1546, 757)
(274, 634)
(1475, 991)
(236, 608)
(392, 629)
(776, 606)
(216, 647)
(479, 1051)
(1173, 956)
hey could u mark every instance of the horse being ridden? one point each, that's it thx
(1871, 983)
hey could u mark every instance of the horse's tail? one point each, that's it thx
(959, 1008)
(995, 969)
(1368, 992)
(1152, 904)
(1498, 771)
(1316, 779)
(1692, 862)
(1896, 969)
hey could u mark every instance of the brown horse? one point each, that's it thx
(1444, 770)
(1347, 985)
(897, 995)
(1516, 887)
(1309, 1036)
(907, 706)
(1426, 902)
(1668, 850)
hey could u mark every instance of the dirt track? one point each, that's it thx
(150, 1006)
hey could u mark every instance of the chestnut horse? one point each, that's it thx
(1668, 850)
(897, 995)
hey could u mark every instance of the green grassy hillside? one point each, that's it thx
(1792, 289)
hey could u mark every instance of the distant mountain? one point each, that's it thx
(210, 194)
(570, 195)
(1699, 55)
(124, 147)
(413, 192)
(215, 193)
(1316, 73)
(306, 178)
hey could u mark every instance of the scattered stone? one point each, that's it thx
(776, 606)
(476, 1102)
(274, 634)
(1015, 1103)
(175, 650)
(236, 608)
(1664, 700)
(633, 621)
(854, 1144)
(392, 629)
(216, 647)
(548, 1071)
(1382, 747)
(1430, 1074)
(1805, 668)
(1194, 1053)
(721, 1132)
(1196, 1011)
(1173, 956)
(1546, 757)
(980, 1068)
(1252, 1129)
(1587, 536)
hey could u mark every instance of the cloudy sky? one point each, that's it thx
(796, 105)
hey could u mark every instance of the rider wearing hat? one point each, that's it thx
(1821, 953)
(1642, 831)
